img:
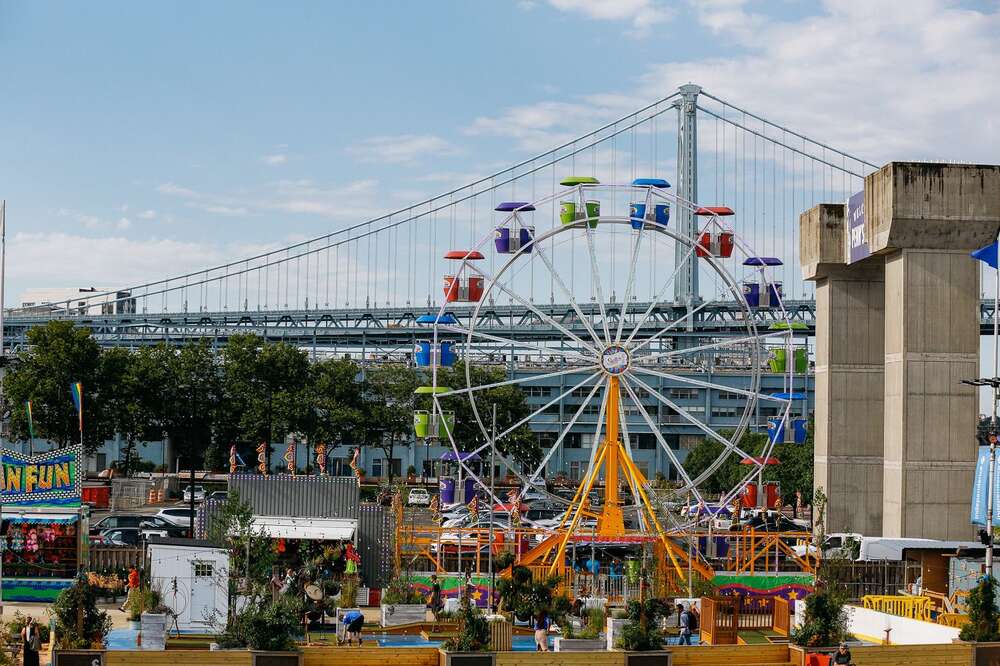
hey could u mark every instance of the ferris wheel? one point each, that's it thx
(622, 345)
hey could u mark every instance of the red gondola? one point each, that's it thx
(715, 244)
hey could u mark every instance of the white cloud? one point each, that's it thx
(221, 209)
(177, 191)
(643, 14)
(402, 149)
(274, 160)
(147, 215)
(123, 224)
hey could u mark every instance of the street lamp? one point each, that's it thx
(994, 383)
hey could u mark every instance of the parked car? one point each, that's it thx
(418, 497)
(119, 520)
(176, 515)
(118, 536)
(219, 495)
(199, 494)
(161, 527)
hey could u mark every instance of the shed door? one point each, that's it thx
(203, 585)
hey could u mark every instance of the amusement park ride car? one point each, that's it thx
(621, 364)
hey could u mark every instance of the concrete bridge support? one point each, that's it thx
(849, 373)
(923, 220)
(896, 333)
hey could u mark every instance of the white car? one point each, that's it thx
(199, 494)
(176, 515)
(418, 497)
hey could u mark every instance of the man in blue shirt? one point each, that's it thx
(354, 620)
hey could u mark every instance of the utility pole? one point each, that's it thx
(493, 450)
(686, 283)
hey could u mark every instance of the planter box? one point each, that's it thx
(276, 658)
(78, 658)
(612, 631)
(579, 644)
(154, 631)
(651, 658)
(467, 658)
(403, 614)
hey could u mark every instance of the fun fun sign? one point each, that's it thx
(46, 479)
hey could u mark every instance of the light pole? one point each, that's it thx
(994, 383)
(493, 449)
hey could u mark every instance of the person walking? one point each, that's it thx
(435, 604)
(685, 625)
(133, 587)
(541, 625)
(32, 642)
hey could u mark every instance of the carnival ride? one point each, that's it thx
(623, 355)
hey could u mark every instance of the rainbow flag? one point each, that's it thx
(31, 423)
(76, 389)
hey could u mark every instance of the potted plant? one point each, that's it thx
(641, 638)
(267, 628)
(825, 621)
(402, 604)
(470, 647)
(80, 625)
(587, 638)
(983, 614)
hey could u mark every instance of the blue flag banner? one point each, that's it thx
(979, 485)
(987, 254)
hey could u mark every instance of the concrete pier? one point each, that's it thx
(897, 330)
(849, 376)
(923, 220)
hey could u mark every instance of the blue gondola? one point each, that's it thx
(637, 214)
(776, 430)
(515, 235)
(651, 182)
(447, 319)
(424, 356)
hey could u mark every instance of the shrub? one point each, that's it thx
(269, 625)
(473, 631)
(80, 624)
(15, 626)
(983, 615)
(642, 632)
(400, 591)
(825, 622)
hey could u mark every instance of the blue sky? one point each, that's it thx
(141, 139)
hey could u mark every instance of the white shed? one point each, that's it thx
(193, 579)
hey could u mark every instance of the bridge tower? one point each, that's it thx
(686, 283)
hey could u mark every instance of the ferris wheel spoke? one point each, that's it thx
(708, 385)
(511, 382)
(531, 306)
(439, 410)
(595, 443)
(659, 296)
(626, 440)
(595, 280)
(669, 327)
(629, 284)
(562, 286)
(725, 342)
(559, 440)
(729, 444)
(541, 409)
(663, 442)
(555, 351)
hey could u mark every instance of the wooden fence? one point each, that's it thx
(859, 579)
(116, 558)
(720, 618)
(782, 616)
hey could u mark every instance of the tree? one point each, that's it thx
(983, 614)
(80, 624)
(521, 444)
(389, 401)
(58, 354)
(251, 555)
(825, 622)
(795, 473)
(337, 404)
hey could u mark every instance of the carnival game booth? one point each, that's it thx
(44, 528)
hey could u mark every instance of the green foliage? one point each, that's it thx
(266, 625)
(251, 556)
(594, 622)
(641, 632)
(503, 560)
(389, 401)
(80, 624)
(57, 355)
(983, 615)
(825, 622)
(401, 591)
(521, 444)
(700, 587)
(524, 597)
(144, 600)
(473, 631)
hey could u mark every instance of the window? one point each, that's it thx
(645, 441)
(724, 412)
(551, 409)
(586, 439)
(729, 395)
(203, 569)
(572, 441)
(378, 464)
(576, 469)
(397, 467)
(581, 392)
(546, 440)
(429, 468)
(538, 391)
(684, 393)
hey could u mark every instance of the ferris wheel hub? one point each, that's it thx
(615, 360)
